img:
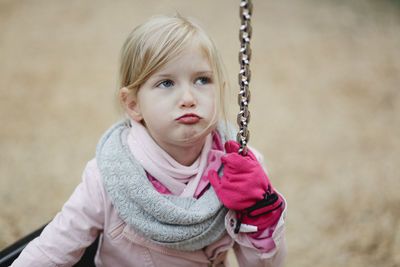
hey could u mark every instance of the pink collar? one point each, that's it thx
(167, 175)
(213, 163)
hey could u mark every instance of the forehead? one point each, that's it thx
(189, 57)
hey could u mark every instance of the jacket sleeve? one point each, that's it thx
(65, 238)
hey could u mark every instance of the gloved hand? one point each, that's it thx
(245, 187)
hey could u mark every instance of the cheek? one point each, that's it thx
(152, 108)
(210, 102)
(156, 117)
(211, 106)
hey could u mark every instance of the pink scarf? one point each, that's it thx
(179, 179)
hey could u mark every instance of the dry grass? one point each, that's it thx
(325, 109)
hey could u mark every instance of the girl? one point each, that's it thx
(167, 186)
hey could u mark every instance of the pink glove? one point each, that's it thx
(245, 187)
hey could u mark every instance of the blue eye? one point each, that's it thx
(165, 84)
(203, 80)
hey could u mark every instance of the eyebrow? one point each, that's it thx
(205, 72)
(197, 73)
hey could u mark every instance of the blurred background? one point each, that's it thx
(325, 111)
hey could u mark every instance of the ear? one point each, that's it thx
(131, 106)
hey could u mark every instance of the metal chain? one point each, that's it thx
(243, 118)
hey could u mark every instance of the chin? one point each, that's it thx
(190, 136)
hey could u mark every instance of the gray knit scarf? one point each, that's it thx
(183, 223)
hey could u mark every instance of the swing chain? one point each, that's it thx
(245, 32)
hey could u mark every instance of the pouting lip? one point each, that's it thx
(189, 115)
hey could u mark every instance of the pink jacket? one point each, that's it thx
(89, 212)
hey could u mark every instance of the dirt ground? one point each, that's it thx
(325, 111)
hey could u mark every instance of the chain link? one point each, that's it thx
(245, 31)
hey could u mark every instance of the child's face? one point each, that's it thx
(177, 102)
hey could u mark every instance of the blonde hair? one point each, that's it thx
(161, 38)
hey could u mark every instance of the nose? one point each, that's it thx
(187, 99)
